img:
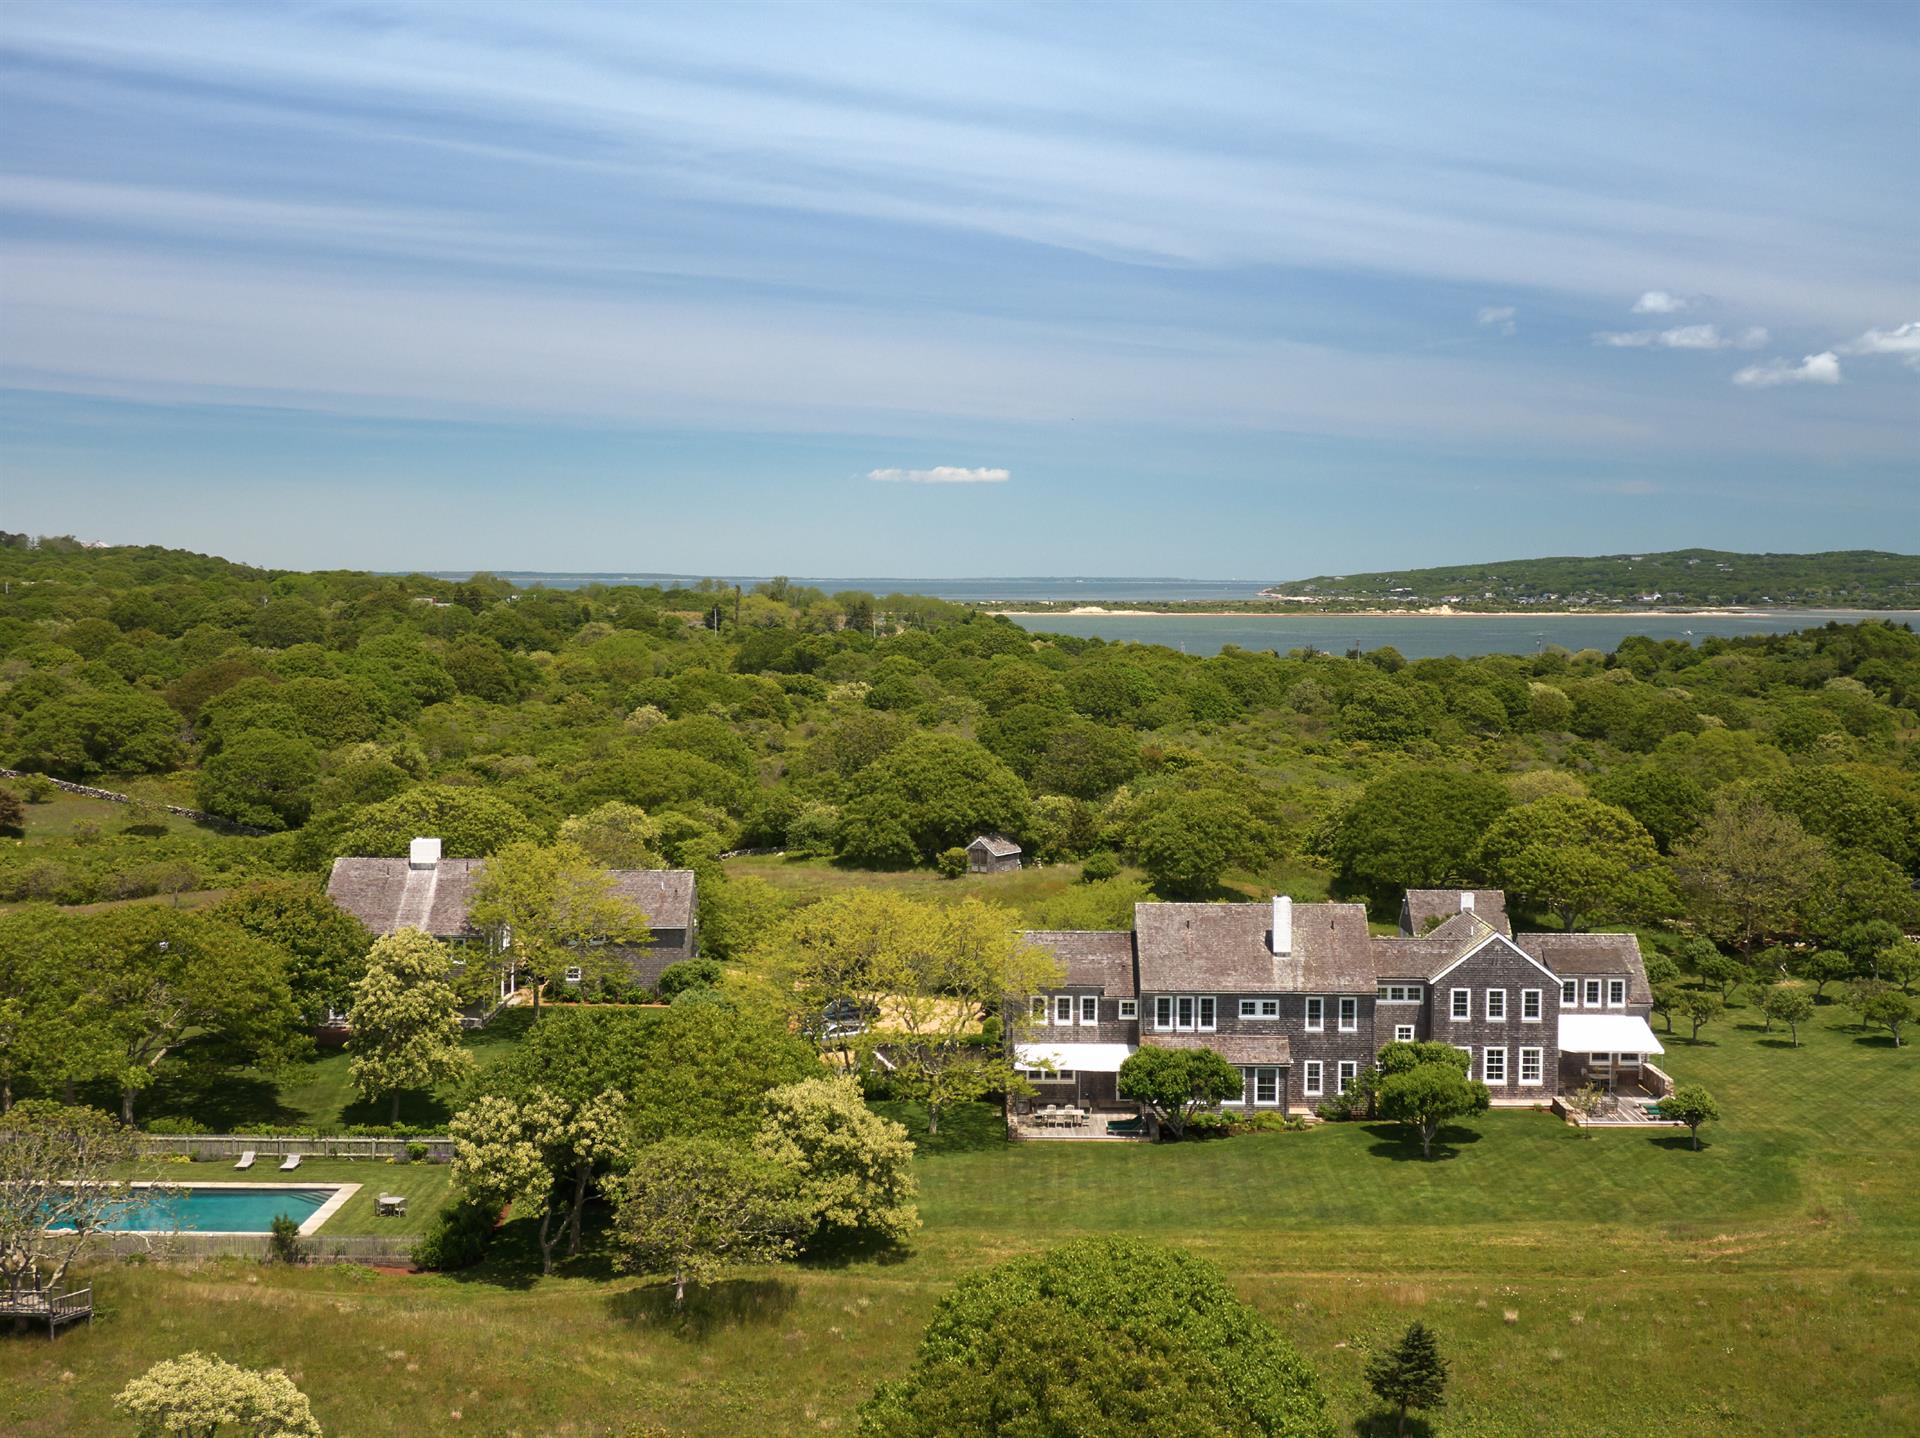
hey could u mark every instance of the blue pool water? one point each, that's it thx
(211, 1210)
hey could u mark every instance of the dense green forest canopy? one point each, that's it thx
(1849, 578)
(343, 712)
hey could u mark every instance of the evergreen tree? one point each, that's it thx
(1411, 1374)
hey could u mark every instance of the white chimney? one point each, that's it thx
(1282, 926)
(1466, 901)
(423, 854)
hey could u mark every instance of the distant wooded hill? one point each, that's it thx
(1847, 578)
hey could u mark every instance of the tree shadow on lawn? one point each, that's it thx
(842, 1250)
(217, 1096)
(1880, 1041)
(1397, 1144)
(1386, 1425)
(964, 1127)
(1677, 1141)
(709, 1307)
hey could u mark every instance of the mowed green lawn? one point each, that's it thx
(424, 1185)
(1604, 1283)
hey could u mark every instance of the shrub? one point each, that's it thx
(1100, 867)
(180, 1126)
(416, 1152)
(459, 1238)
(952, 863)
(1209, 1125)
(676, 979)
(283, 1242)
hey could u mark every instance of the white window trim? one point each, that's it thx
(1539, 1064)
(1486, 1073)
(1345, 1073)
(1039, 1009)
(1130, 1008)
(1398, 994)
(1206, 1013)
(1539, 1006)
(1089, 1001)
(574, 973)
(1458, 1000)
(1612, 986)
(1501, 1017)
(1403, 1033)
(1312, 1078)
(1316, 1005)
(1570, 1000)
(1349, 1016)
(1250, 1010)
(1592, 999)
(1163, 1013)
(1063, 1009)
(1253, 1080)
(1246, 1082)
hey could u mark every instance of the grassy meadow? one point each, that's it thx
(1607, 1282)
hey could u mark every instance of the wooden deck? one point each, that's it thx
(53, 1309)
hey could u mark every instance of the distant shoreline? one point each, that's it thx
(1095, 611)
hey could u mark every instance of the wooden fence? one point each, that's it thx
(208, 1147)
(198, 1247)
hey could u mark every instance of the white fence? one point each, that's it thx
(206, 1147)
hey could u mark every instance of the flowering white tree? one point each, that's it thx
(200, 1395)
(405, 1019)
(541, 1149)
(57, 1189)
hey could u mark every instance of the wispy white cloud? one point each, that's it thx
(1659, 302)
(1500, 317)
(941, 474)
(1683, 337)
(1823, 368)
(1903, 341)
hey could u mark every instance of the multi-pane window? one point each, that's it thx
(1183, 1012)
(1266, 1085)
(1312, 1078)
(1206, 1013)
(1349, 1015)
(1530, 1066)
(1089, 1009)
(1349, 1069)
(1593, 993)
(1129, 1008)
(1403, 1033)
(1163, 1011)
(1493, 1066)
(1063, 1009)
(1616, 993)
(1400, 993)
(1040, 1008)
(1530, 1006)
(573, 973)
(1497, 1005)
(1569, 991)
(1316, 1015)
(1462, 1004)
(1259, 1008)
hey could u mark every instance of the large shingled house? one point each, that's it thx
(433, 894)
(1300, 997)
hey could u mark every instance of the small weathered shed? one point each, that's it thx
(992, 854)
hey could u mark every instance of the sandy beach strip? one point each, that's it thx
(1094, 611)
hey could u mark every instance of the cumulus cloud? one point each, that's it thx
(1823, 368)
(1658, 302)
(1903, 341)
(1683, 337)
(941, 474)
(1500, 317)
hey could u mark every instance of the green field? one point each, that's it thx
(424, 1185)
(1586, 1283)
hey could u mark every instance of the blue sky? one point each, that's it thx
(1208, 290)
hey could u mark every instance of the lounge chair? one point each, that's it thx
(290, 1163)
(246, 1160)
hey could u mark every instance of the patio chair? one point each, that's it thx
(391, 1205)
(246, 1160)
(290, 1163)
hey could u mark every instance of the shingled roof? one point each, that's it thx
(388, 895)
(998, 845)
(1226, 948)
(1574, 955)
(1099, 958)
(1234, 1048)
(1422, 906)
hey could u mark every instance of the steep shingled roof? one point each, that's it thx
(388, 895)
(1225, 948)
(1422, 906)
(1099, 958)
(1576, 955)
(998, 845)
(1234, 1048)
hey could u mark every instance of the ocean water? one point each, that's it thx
(1429, 636)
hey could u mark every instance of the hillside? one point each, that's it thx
(1681, 578)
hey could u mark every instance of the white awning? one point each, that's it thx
(1079, 1058)
(1607, 1034)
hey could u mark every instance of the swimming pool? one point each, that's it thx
(221, 1207)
